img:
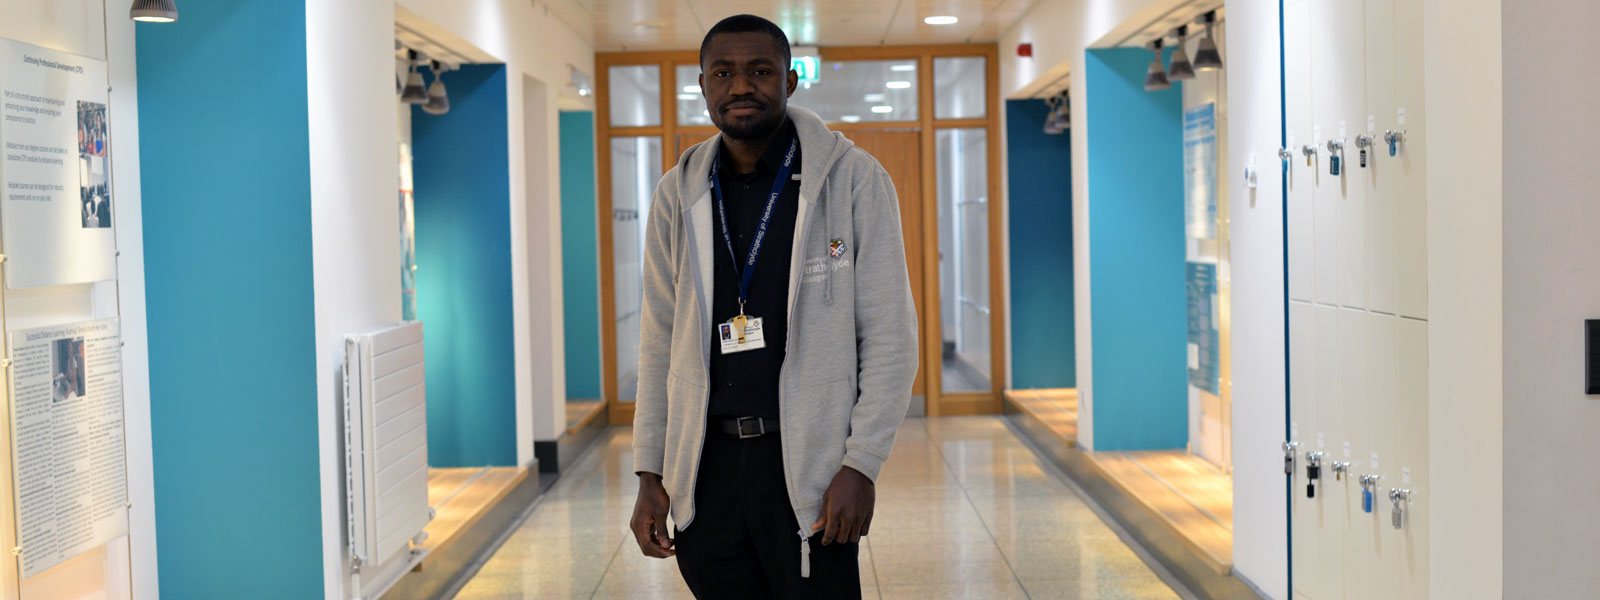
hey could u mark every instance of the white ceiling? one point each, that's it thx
(619, 25)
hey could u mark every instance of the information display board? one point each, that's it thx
(56, 207)
(70, 467)
(1200, 171)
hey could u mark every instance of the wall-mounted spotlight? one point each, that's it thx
(1155, 78)
(1207, 58)
(154, 11)
(1180, 69)
(579, 80)
(413, 92)
(438, 101)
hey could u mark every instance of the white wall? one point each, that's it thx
(532, 43)
(1260, 542)
(1551, 285)
(83, 27)
(355, 227)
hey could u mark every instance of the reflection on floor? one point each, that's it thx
(459, 497)
(1191, 496)
(1057, 409)
(961, 377)
(965, 510)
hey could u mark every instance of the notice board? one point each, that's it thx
(70, 469)
(56, 202)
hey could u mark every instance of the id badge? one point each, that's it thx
(753, 337)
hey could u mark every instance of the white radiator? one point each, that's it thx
(386, 442)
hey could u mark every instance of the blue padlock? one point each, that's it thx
(1366, 501)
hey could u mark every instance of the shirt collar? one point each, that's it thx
(772, 159)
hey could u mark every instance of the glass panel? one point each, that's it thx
(691, 103)
(958, 87)
(635, 170)
(845, 91)
(963, 167)
(635, 96)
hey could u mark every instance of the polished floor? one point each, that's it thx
(965, 510)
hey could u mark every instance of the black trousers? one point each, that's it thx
(744, 541)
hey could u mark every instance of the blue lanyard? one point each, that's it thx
(749, 269)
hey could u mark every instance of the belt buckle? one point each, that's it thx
(762, 426)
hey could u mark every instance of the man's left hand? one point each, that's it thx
(846, 507)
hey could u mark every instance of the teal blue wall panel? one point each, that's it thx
(1039, 176)
(580, 264)
(463, 216)
(1136, 255)
(225, 165)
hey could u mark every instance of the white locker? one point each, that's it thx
(1410, 433)
(1300, 178)
(1384, 230)
(1303, 363)
(1407, 168)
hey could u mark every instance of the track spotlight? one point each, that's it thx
(1180, 69)
(1052, 122)
(413, 93)
(1207, 58)
(1155, 78)
(154, 11)
(438, 102)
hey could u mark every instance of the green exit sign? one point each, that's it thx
(807, 67)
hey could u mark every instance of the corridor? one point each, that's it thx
(965, 510)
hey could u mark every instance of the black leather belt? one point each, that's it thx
(744, 427)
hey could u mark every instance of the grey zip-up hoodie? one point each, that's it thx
(852, 344)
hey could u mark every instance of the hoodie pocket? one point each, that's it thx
(815, 426)
(686, 407)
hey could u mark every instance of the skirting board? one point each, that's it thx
(555, 456)
(1145, 527)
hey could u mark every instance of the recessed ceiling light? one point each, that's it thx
(691, 89)
(850, 118)
(873, 98)
(903, 68)
(940, 20)
(687, 96)
(897, 85)
(882, 109)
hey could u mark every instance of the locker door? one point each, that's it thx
(1297, 117)
(1327, 197)
(1362, 547)
(1329, 520)
(1410, 193)
(1303, 363)
(1408, 557)
(1339, 62)
(1383, 225)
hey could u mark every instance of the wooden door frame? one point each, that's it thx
(938, 403)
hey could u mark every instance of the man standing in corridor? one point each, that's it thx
(778, 339)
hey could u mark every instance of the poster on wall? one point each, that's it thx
(69, 469)
(1200, 171)
(1205, 351)
(56, 212)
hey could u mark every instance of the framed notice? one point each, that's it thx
(1200, 171)
(55, 174)
(70, 469)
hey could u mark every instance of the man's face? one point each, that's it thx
(746, 84)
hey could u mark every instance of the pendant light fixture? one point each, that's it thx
(1155, 78)
(1207, 58)
(438, 102)
(154, 11)
(1180, 69)
(413, 93)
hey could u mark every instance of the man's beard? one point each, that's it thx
(752, 130)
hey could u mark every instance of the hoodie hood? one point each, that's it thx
(821, 150)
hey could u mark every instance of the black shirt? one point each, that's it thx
(745, 384)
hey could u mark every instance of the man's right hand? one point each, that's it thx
(649, 521)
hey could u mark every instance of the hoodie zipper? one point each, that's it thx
(783, 450)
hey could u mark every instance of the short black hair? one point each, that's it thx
(748, 24)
